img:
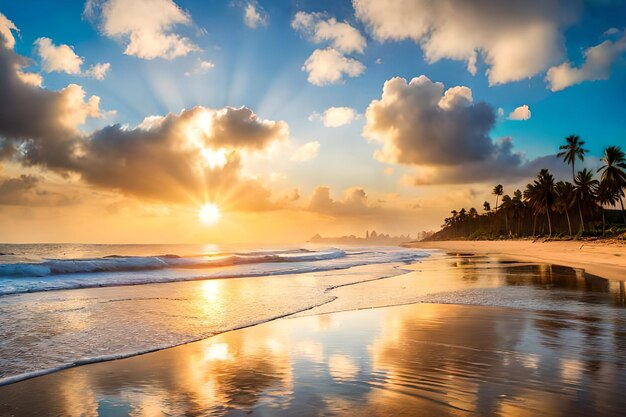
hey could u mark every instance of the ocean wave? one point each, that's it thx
(116, 263)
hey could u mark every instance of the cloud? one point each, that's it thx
(354, 203)
(62, 58)
(146, 24)
(6, 28)
(193, 155)
(517, 39)
(98, 71)
(338, 116)
(340, 35)
(597, 65)
(329, 66)
(520, 113)
(26, 190)
(254, 16)
(306, 152)
(38, 123)
(201, 67)
(418, 124)
(443, 135)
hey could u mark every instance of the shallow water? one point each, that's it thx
(423, 359)
(45, 331)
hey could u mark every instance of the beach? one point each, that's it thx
(605, 258)
(449, 334)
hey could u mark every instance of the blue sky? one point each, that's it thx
(262, 68)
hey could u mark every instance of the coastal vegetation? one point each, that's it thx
(590, 205)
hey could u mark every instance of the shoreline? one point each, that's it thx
(606, 259)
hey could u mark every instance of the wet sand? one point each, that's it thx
(423, 359)
(606, 259)
(559, 351)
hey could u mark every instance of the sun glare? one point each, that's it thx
(209, 214)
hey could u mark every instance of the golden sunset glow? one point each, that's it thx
(209, 214)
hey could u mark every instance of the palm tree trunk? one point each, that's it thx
(569, 224)
(603, 221)
(623, 212)
(549, 221)
(582, 221)
(506, 221)
(534, 224)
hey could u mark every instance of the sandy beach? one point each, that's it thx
(606, 259)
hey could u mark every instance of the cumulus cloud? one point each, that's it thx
(520, 113)
(329, 66)
(338, 116)
(55, 58)
(40, 121)
(306, 152)
(6, 28)
(341, 36)
(193, 155)
(443, 135)
(517, 39)
(254, 16)
(146, 25)
(597, 64)
(62, 58)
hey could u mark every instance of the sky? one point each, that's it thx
(121, 119)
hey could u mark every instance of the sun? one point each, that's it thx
(209, 214)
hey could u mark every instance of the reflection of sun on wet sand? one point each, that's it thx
(442, 360)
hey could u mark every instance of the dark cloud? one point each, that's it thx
(192, 155)
(27, 190)
(39, 126)
(444, 135)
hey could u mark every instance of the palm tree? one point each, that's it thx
(497, 191)
(613, 176)
(572, 150)
(507, 204)
(518, 208)
(585, 190)
(607, 195)
(540, 194)
(564, 194)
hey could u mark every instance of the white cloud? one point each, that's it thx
(6, 26)
(338, 116)
(254, 16)
(520, 113)
(62, 58)
(597, 65)
(146, 24)
(98, 71)
(456, 97)
(306, 152)
(328, 66)
(201, 67)
(340, 35)
(517, 38)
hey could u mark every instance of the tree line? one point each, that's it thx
(547, 207)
